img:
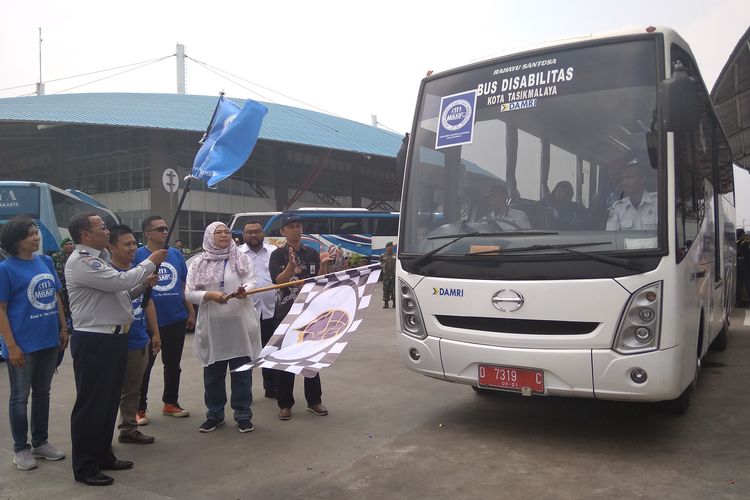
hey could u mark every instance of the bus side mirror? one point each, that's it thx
(681, 101)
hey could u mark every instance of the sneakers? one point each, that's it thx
(285, 414)
(47, 452)
(318, 409)
(141, 418)
(24, 460)
(171, 410)
(245, 426)
(210, 425)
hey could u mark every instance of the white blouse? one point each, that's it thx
(225, 331)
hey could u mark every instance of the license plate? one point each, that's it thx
(510, 378)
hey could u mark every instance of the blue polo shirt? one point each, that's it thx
(169, 293)
(29, 287)
(137, 335)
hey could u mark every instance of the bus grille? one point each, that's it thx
(521, 326)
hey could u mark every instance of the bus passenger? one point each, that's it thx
(566, 213)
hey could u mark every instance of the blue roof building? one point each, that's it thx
(118, 148)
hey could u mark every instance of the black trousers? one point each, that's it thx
(267, 327)
(285, 389)
(99, 362)
(172, 343)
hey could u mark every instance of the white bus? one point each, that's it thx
(567, 223)
(352, 230)
(50, 206)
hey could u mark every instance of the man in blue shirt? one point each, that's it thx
(122, 247)
(174, 315)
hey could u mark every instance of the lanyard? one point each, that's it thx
(221, 284)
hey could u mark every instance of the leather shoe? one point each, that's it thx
(136, 438)
(285, 414)
(118, 465)
(318, 409)
(98, 479)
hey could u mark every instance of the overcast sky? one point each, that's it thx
(352, 59)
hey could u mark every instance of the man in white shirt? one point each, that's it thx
(494, 208)
(638, 208)
(264, 302)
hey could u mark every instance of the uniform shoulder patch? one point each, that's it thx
(94, 263)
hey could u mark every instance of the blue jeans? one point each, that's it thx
(215, 395)
(35, 378)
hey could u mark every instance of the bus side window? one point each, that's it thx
(273, 229)
(350, 225)
(385, 226)
(315, 225)
(692, 160)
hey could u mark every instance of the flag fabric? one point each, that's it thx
(318, 327)
(231, 138)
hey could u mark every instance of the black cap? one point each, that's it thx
(289, 217)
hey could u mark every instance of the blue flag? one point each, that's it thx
(231, 139)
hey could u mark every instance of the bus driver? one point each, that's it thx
(494, 207)
(637, 208)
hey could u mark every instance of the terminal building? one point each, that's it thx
(131, 152)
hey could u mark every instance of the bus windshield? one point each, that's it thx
(550, 149)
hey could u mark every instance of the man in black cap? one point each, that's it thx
(295, 261)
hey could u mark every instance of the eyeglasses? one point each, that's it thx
(222, 232)
(103, 227)
(161, 229)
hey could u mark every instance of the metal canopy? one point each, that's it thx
(731, 98)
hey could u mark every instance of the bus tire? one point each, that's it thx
(720, 342)
(679, 405)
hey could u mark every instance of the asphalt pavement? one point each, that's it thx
(392, 433)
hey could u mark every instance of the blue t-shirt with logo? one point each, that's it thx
(169, 293)
(137, 335)
(29, 287)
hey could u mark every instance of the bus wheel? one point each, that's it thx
(720, 342)
(680, 405)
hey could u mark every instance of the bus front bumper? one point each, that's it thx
(588, 373)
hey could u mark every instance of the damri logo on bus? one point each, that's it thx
(448, 292)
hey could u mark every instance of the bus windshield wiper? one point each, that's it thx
(416, 263)
(569, 249)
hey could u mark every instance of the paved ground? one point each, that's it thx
(395, 434)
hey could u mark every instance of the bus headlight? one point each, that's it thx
(640, 324)
(411, 317)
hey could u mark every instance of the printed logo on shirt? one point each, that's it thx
(41, 292)
(167, 277)
(137, 307)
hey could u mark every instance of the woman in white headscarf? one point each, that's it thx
(227, 332)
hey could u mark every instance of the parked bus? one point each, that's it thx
(352, 230)
(50, 206)
(237, 224)
(567, 223)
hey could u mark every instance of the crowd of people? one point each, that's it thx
(119, 306)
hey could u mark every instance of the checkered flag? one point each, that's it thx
(327, 310)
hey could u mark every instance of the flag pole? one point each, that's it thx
(371, 267)
(188, 180)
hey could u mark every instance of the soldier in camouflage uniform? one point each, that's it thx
(388, 261)
(60, 258)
